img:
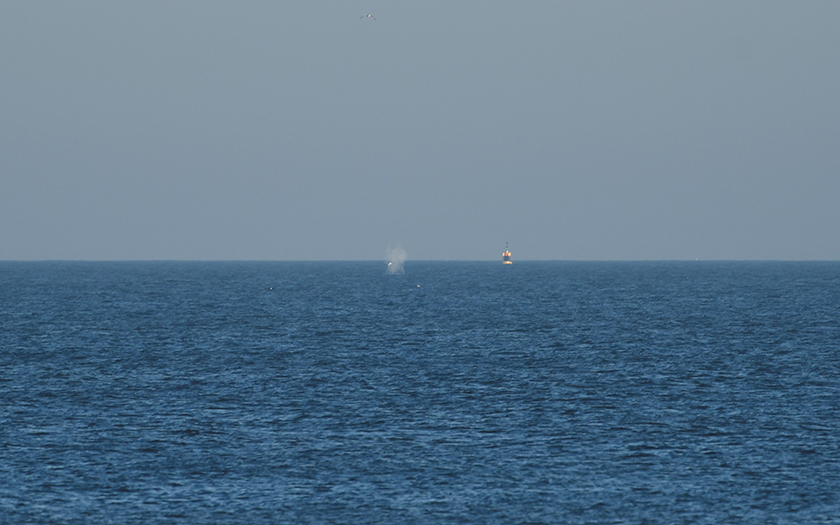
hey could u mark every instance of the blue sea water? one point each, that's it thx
(169, 392)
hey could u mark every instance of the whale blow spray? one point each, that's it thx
(396, 258)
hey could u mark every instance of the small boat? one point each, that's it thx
(506, 255)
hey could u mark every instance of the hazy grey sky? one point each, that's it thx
(295, 130)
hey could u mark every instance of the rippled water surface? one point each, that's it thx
(455, 393)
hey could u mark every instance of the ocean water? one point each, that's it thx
(168, 392)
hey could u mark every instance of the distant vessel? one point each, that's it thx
(506, 255)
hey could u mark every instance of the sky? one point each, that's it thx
(292, 130)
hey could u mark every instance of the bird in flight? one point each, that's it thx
(367, 16)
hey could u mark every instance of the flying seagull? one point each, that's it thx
(367, 16)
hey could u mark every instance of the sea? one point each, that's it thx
(456, 392)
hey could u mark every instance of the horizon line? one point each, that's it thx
(408, 260)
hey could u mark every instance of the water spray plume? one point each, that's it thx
(396, 258)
